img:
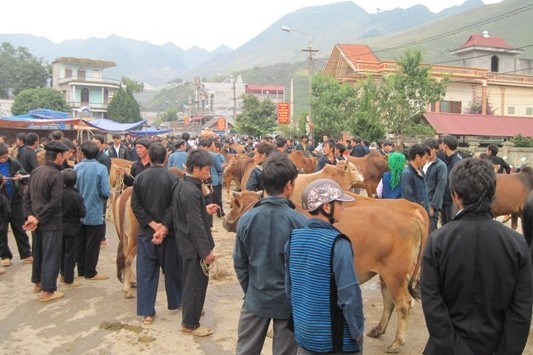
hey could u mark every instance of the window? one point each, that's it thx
(68, 72)
(494, 63)
(84, 96)
(81, 74)
(529, 111)
(449, 106)
(106, 96)
(510, 110)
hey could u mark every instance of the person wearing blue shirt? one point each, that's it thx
(326, 303)
(414, 186)
(179, 157)
(93, 185)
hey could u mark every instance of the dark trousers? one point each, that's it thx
(194, 288)
(89, 250)
(217, 198)
(448, 212)
(68, 257)
(16, 221)
(47, 247)
(433, 221)
(150, 258)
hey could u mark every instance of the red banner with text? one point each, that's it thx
(283, 113)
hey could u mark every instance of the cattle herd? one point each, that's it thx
(388, 236)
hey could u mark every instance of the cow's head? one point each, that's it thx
(352, 176)
(240, 203)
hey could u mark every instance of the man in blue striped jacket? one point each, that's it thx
(321, 282)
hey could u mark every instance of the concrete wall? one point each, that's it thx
(513, 155)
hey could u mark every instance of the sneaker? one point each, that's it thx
(28, 260)
(214, 230)
(103, 243)
(98, 277)
(6, 262)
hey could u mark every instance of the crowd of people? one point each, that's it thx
(296, 270)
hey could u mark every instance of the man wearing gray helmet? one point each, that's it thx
(326, 302)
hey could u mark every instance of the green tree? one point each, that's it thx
(31, 99)
(133, 85)
(20, 70)
(123, 108)
(334, 105)
(404, 95)
(257, 118)
(367, 123)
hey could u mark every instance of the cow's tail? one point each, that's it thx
(118, 216)
(422, 225)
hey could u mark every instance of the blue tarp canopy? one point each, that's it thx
(150, 131)
(38, 117)
(106, 125)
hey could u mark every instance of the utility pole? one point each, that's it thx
(310, 51)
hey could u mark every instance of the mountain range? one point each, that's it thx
(388, 33)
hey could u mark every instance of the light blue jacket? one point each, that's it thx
(93, 185)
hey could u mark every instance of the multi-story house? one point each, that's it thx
(84, 87)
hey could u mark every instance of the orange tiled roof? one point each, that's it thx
(356, 52)
(481, 41)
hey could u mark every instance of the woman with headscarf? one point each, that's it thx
(390, 185)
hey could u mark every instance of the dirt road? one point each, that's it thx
(96, 318)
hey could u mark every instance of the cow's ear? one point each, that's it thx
(236, 194)
(259, 194)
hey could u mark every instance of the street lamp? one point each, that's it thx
(310, 52)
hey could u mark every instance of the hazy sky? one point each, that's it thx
(206, 24)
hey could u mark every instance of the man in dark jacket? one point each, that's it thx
(492, 156)
(42, 208)
(191, 220)
(156, 242)
(452, 157)
(259, 260)
(414, 186)
(117, 149)
(477, 283)
(13, 172)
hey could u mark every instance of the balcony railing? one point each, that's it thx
(89, 80)
(92, 105)
(380, 68)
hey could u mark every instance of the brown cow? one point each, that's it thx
(303, 164)
(511, 194)
(344, 173)
(392, 248)
(127, 227)
(235, 170)
(372, 166)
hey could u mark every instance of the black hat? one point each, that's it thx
(143, 141)
(55, 146)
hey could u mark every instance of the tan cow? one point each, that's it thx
(235, 170)
(372, 166)
(388, 238)
(511, 194)
(344, 173)
(303, 164)
(127, 228)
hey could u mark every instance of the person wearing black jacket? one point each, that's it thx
(42, 208)
(492, 156)
(191, 220)
(73, 210)
(476, 278)
(12, 189)
(156, 242)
